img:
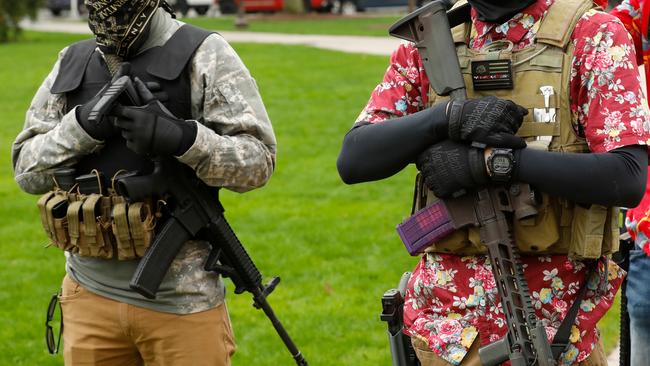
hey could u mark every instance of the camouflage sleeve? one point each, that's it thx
(50, 139)
(235, 144)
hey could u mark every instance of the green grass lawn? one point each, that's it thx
(333, 245)
(366, 25)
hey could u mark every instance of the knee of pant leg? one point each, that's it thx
(639, 340)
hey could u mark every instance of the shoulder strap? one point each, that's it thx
(557, 26)
(461, 32)
(72, 65)
(561, 340)
(177, 52)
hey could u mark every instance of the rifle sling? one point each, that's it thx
(561, 338)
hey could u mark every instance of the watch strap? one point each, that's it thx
(477, 166)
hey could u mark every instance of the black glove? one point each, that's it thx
(104, 128)
(489, 120)
(449, 168)
(155, 91)
(152, 130)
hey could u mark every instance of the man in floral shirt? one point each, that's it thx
(452, 306)
(635, 15)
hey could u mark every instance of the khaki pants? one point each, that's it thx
(429, 358)
(102, 332)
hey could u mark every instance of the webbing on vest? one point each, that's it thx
(140, 217)
(94, 225)
(42, 208)
(563, 15)
(73, 221)
(121, 229)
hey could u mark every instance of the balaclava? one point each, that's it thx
(120, 26)
(499, 11)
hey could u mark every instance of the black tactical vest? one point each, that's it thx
(83, 73)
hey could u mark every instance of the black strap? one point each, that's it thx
(459, 15)
(561, 340)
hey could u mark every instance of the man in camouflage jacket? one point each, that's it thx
(223, 134)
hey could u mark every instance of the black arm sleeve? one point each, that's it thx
(616, 178)
(376, 151)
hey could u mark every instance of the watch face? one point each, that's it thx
(501, 164)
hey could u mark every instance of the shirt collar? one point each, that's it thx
(518, 29)
(162, 28)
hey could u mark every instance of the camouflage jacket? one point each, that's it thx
(234, 148)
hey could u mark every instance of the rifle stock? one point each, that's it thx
(429, 28)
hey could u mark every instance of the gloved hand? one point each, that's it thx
(488, 120)
(154, 88)
(104, 128)
(152, 130)
(449, 168)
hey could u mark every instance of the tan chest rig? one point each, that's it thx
(102, 225)
(561, 226)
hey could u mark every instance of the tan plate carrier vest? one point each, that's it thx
(560, 226)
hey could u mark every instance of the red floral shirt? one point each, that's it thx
(452, 300)
(634, 14)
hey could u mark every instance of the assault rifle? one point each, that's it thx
(195, 212)
(525, 343)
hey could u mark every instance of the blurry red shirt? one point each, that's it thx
(451, 300)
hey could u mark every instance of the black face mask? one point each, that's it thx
(120, 26)
(499, 11)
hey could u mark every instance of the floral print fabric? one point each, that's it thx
(452, 300)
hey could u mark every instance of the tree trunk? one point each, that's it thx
(11, 13)
(294, 6)
(411, 5)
